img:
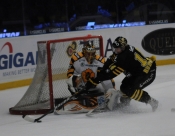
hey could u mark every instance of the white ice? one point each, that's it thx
(137, 120)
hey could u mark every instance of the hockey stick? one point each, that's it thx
(91, 112)
(38, 120)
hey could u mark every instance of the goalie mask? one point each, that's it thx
(119, 45)
(89, 52)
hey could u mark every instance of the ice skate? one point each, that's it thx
(154, 104)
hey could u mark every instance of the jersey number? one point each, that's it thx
(146, 63)
(139, 58)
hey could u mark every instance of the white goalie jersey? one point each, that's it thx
(79, 66)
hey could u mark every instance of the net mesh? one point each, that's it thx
(38, 96)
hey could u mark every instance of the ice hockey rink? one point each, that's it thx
(136, 120)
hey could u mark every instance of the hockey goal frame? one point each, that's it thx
(12, 110)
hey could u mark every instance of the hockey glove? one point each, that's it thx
(113, 57)
(127, 74)
(91, 83)
(75, 84)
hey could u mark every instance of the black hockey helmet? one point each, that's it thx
(120, 42)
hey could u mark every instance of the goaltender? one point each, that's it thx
(84, 65)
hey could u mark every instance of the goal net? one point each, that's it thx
(51, 72)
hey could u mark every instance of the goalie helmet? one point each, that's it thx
(89, 52)
(119, 44)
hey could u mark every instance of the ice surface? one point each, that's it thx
(136, 120)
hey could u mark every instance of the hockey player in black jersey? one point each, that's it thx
(140, 72)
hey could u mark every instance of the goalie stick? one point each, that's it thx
(38, 120)
(92, 112)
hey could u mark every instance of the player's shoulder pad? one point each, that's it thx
(130, 48)
(77, 55)
(100, 58)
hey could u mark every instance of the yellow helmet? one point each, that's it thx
(89, 52)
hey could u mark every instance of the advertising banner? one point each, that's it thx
(17, 60)
(18, 55)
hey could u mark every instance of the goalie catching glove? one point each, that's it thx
(75, 84)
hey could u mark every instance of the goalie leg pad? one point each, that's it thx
(99, 97)
(82, 104)
(112, 96)
(73, 107)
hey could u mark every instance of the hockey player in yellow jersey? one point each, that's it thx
(84, 65)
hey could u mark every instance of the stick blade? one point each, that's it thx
(89, 114)
(29, 118)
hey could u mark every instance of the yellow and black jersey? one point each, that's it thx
(79, 66)
(133, 61)
(130, 60)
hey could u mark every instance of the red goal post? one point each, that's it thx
(51, 72)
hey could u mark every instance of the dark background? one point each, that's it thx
(24, 15)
